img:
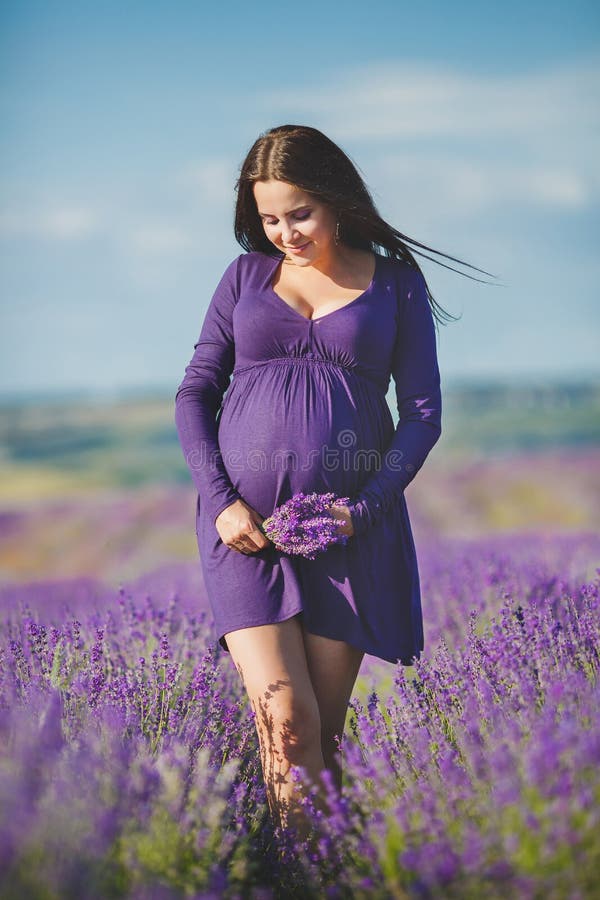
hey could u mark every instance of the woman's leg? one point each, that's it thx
(333, 667)
(271, 661)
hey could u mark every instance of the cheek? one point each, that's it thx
(311, 229)
(321, 227)
(273, 232)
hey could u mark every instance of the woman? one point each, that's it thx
(311, 321)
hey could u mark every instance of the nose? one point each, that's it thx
(287, 232)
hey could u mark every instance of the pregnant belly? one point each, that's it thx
(302, 427)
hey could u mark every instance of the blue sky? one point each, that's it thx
(475, 126)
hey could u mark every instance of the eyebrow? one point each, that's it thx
(295, 209)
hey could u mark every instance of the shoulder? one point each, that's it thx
(244, 271)
(408, 289)
(256, 259)
(408, 280)
(242, 267)
(253, 259)
(401, 269)
(251, 268)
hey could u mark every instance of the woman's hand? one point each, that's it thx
(343, 514)
(237, 527)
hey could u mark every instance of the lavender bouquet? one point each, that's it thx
(302, 526)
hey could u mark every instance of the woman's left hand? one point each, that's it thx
(343, 514)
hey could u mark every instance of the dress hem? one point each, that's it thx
(372, 652)
(221, 634)
(392, 660)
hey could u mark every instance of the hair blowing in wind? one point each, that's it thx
(307, 158)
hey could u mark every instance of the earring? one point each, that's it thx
(337, 232)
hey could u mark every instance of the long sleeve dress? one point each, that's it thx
(273, 403)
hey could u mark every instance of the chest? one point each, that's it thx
(362, 332)
(315, 299)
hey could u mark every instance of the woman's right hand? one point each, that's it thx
(237, 527)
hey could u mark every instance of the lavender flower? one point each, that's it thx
(129, 755)
(302, 526)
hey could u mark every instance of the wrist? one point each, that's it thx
(362, 514)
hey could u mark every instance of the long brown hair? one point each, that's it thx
(308, 159)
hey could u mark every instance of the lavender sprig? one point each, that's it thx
(302, 526)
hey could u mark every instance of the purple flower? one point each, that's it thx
(302, 526)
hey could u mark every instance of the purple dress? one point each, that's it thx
(306, 410)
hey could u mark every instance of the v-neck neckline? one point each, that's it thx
(274, 293)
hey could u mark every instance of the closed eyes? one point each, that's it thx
(300, 217)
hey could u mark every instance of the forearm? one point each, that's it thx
(200, 395)
(419, 402)
(407, 452)
(195, 420)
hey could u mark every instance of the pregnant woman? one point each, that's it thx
(285, 392)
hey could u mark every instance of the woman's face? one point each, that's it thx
(292, 219)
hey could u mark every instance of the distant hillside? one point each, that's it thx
(89, 486)
(55, 446)
(499, 417)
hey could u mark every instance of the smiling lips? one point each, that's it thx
(299, 247)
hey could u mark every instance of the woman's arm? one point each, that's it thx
(417, 378)
(200, 394)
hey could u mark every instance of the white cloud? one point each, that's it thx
(560, 188)
(58, 223)
(158, 237)
(468, 187)
(463, 145)
(418, 99)
(213, 179)
(533, 138)
(198, 194)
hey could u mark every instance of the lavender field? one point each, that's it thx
(129, 762)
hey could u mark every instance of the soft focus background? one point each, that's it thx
(476, 129)
(129, 760)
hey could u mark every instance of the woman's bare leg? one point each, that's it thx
(271, 661)
(333, 667)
